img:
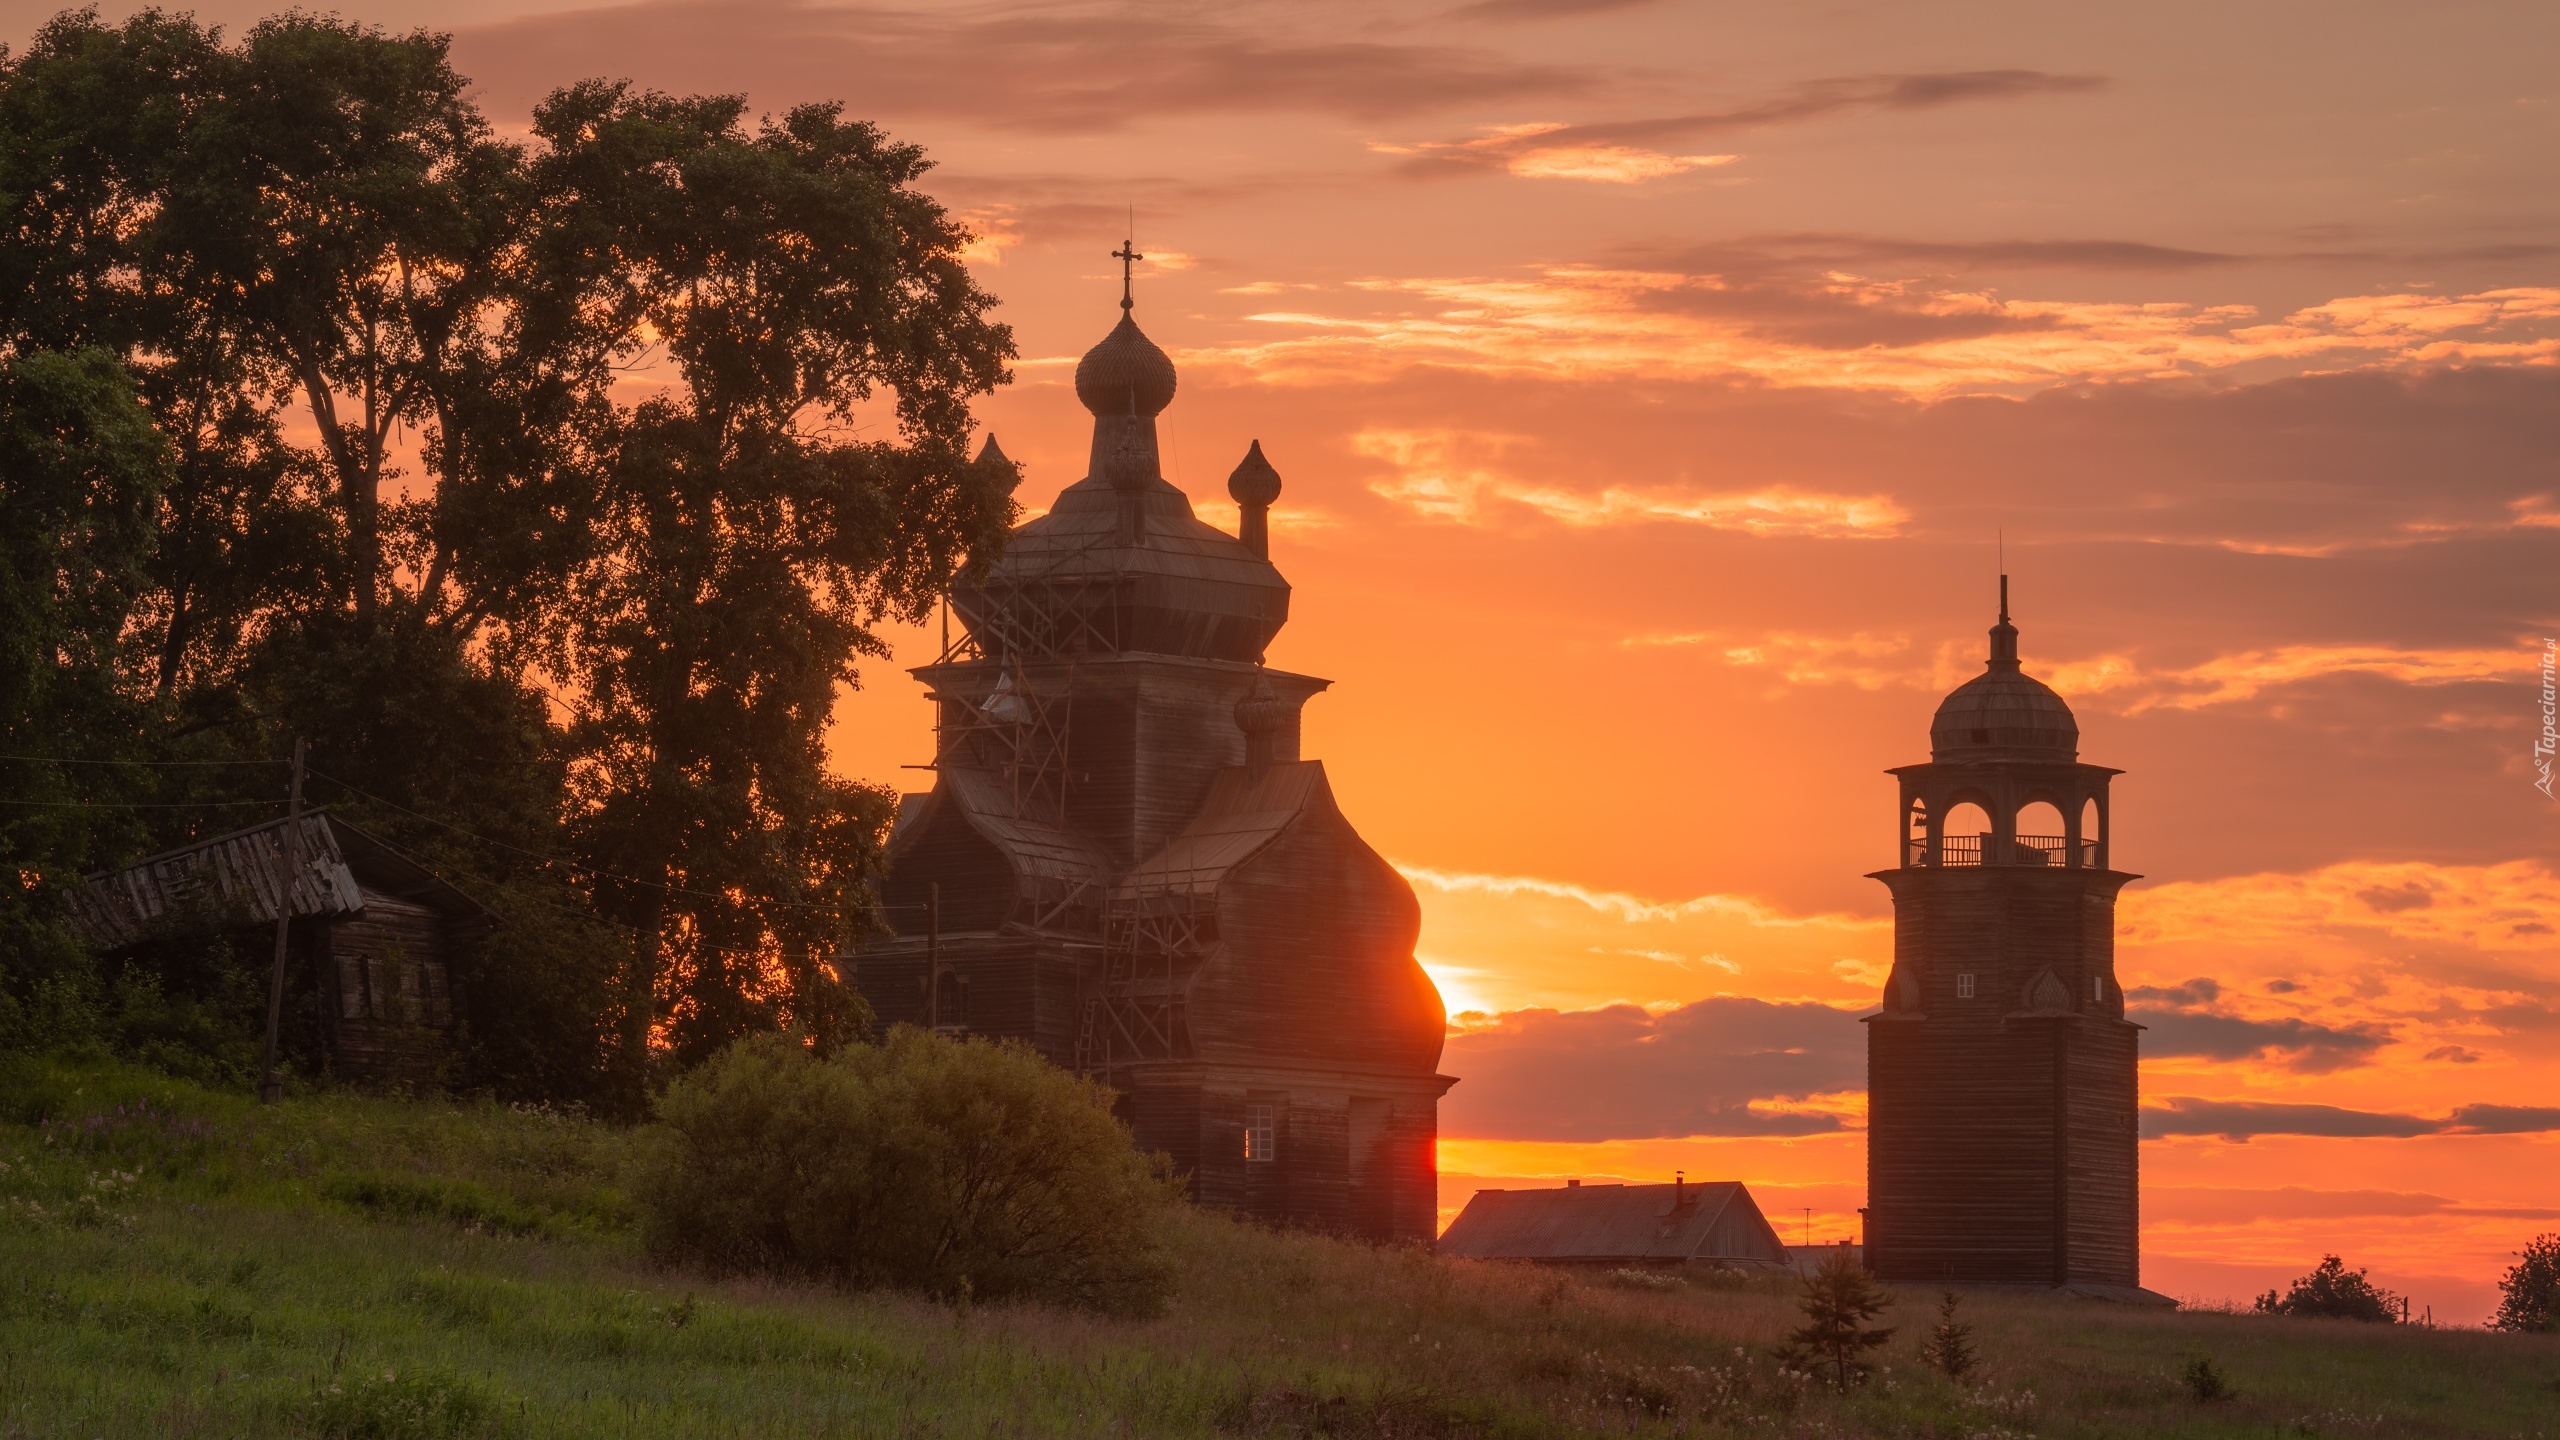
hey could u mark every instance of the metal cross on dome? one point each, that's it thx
(1128, 256)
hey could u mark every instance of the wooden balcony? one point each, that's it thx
(1984, 850)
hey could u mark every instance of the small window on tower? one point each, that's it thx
(1259, 1136)
(2097, 989)
(1964, 987)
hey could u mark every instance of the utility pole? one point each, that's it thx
(270, 1083)
(933, 956)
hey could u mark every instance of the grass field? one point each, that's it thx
(178, 1263)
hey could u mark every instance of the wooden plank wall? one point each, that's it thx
(1988, 1129)
(395, 1007)
(1020, 988)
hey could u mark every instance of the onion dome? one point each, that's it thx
(2003, 713)
(1126, 373)
(1254, 482)
(1262, 711)
(1120, 564)
(993, 454)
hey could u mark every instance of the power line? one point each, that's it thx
(157, 764)
(561, 860)
(135, 805)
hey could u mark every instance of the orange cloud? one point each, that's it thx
(1498, 943)
(1521, 150)
(1845, 330)
(2121, 684)
(1434, 477)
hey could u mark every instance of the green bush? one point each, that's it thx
(421, 1405)
(955, 1168)
(430, 1197)
(2205, 1381)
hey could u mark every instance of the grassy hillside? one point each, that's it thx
(176, 1263)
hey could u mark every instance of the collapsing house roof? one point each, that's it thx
(1617, 1224)
(234, 879)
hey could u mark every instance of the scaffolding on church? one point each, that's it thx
(1132, 985)
(1135, 1010)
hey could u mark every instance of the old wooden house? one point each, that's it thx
(373, 933)
(2001, 1085)
(1126, 861)
(1713, 1223)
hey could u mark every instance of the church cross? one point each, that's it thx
(1128, 256)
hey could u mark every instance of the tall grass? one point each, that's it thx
(178, 1263)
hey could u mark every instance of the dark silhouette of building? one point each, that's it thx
(2001, 1088)
(1125, 862)
(1711, 1223)
(374, 935)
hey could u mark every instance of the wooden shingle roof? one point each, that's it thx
(237, 879)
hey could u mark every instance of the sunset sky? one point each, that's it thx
(1650, 381)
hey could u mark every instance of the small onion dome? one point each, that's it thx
(1262, 712)
(1132, 467)
(993, 454)
(1253, 481)
(2004, 713)
(1125, 373)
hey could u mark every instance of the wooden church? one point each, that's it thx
(1125, 861)
(2001, 1086)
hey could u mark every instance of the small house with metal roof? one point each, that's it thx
(1711, 1223)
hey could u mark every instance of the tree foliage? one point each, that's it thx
(954, 1168)
(2334, 1292)
(552, 487)
(81, 469)
(2529, 1293)
(1839, 1298)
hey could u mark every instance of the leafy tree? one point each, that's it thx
(2334, 1292)
(309, 221)
(80, 471)
(1839, 1299)
(744, 546)
(953, 1168)
(1949, 1349)
(575, 647)
(2529, 1293)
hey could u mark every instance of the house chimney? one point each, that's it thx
(1679, 1187)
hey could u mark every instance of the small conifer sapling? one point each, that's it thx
(1839, 1299)
(1949, 1350)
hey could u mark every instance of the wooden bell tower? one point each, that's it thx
(2001, 1081)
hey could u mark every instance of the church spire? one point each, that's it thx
(2004, 636)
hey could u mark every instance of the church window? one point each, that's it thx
(1260, 1136)
(1964, 987)
(2097, 988)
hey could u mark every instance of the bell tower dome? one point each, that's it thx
(2001, 1081)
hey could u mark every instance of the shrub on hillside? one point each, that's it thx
(955, 1168)
(2529, 1293)
(2334, 1292)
